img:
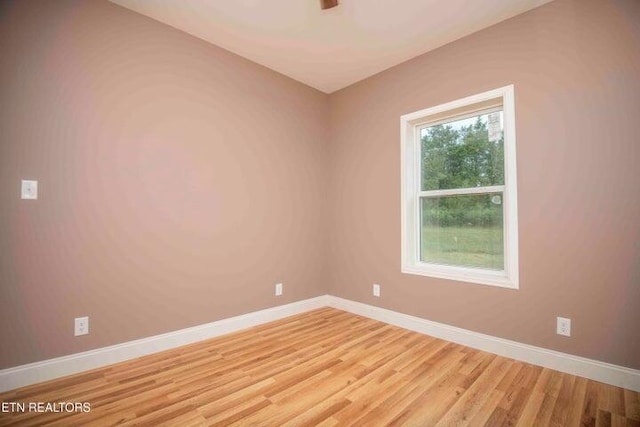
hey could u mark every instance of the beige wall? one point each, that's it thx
(179, 182)
(576, 70)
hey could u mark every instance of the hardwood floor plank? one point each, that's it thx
(552, 391)
(319, 413)
(603, 419)
(326, 367)
(578, 395)
(468, 405)
(209, 406)
(632, 405)
(559, 415)
(485, 412)
(398, 407)
(329, 422)
(238, 412)
(590, 409)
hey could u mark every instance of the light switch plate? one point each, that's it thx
(29, 189)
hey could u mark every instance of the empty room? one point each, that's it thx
(320, 213)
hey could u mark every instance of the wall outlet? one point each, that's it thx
(29, 190)
(376, 290)
(278, 289)
(81, 326)
(564, 326)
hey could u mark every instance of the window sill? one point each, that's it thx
(462, 274)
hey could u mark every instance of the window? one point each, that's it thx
(459, 194)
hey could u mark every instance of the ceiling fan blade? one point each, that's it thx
(328, 4)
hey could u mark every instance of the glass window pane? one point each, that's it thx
(463, 153)
(463, 230)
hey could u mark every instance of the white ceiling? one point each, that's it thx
(330, 49)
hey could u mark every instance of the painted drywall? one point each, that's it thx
(178, 182)
(576, 70)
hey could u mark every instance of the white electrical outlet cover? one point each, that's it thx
(278, 289)
(376, 290)
(29, 189)
(563, 326)
(81, 326)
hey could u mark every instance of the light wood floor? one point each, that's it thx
(328, 367)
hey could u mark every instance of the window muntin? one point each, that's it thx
(459, 193)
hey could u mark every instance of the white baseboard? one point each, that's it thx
(32, 373)
(593, 369)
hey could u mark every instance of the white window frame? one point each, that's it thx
(410, 125)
